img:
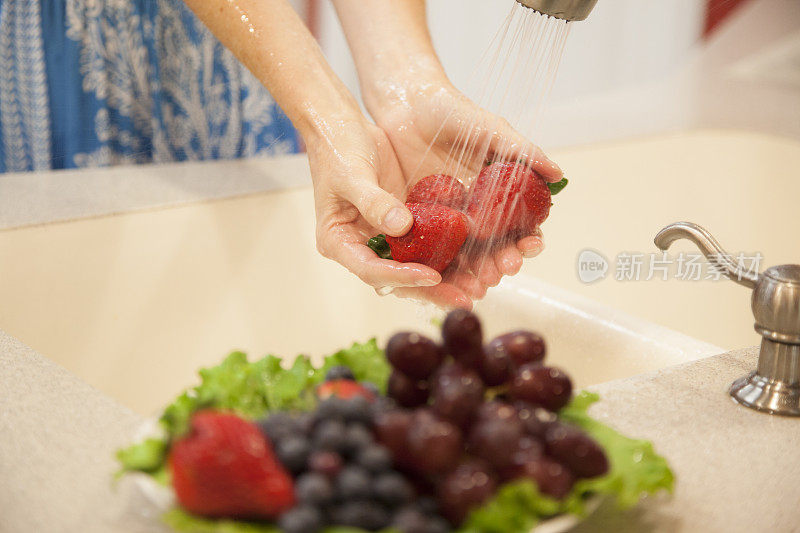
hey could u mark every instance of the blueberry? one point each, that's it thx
(427, 505)
(339, 372)
(293, 453)
(330, 435)
(362, 514)
(374, 458)
(382, 404)
(301, 519)
(326, 463)
(392, 489)
(371, 387)
(356, 438)
(357, 409)
(313, 489)
(353, 482)
(277, 426)
(304, 423)
(410, 520)
(330, 408)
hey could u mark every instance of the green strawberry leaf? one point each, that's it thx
(379, 245)
(558, 186)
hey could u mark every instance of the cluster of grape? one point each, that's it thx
(342, 476)
(473, 417)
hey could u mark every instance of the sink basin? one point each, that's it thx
(135, 303)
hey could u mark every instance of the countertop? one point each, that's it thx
(736, 469)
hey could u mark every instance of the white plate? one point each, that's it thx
(163, 498)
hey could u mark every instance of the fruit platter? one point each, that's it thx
(424, 436)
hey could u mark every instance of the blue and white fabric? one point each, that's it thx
(100, 82)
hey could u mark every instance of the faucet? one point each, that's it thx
(774, 387)
(561, 9)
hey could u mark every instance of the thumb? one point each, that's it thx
(381, 209)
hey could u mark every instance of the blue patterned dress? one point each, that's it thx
(101, 82)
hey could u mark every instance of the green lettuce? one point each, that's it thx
(251, 389)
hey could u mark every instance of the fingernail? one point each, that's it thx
(396, 220)
(427, 283)
(533, 251)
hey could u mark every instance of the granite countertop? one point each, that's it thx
(735, 467)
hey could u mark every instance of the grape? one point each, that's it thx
(462, 335)
(536, 419)
(528, 450)
(465, 488)
(278, 426)
(495, 410)
(427, 505)
(330, 435)
(313, 489)
(301, 519)
(495, 441)
(552, 478)
(522, 347)
(437, 524)
(353, 482)
(541, 385)
(293, 453)
(339, 372)
(326, 463)
(457, 393)
(434, 444)
(495, 365)
(375, 458)
(414, 355)
(574, 448)
(391, 429)
(392, 489)
(405, 391)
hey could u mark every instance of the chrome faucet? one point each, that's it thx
(561, 9)
(774, 387)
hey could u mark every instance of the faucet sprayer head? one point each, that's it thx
(561, 9)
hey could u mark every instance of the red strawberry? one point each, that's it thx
(439, 189)
(508, 199)
(225, 467)
(343, 388)
(434, 239)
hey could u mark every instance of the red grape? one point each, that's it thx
(496, 440)
(391, 430)
(495, 365)
(462, 335)
(457, 393)
(552, 478)
(577, 450)
(541, 385)
(464, 489)
(414, 355)
(434, 444)
(522, 347)
(495, 410)
(405, 391)
(528, 449)
(535, 419)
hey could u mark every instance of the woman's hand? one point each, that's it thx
(357, 185)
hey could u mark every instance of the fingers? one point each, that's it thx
(508, 260)
(531, 246)
(444, 295)
(380, 209)
(507, 144)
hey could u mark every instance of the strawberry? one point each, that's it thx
(343, 388)
(508, 199)
(224, 467)
(439, 189)
(435, 237)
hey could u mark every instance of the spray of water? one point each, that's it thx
(511, 80)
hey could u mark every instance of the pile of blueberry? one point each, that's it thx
(474, 416)
(342, 476)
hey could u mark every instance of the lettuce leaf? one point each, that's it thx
(251, 389)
